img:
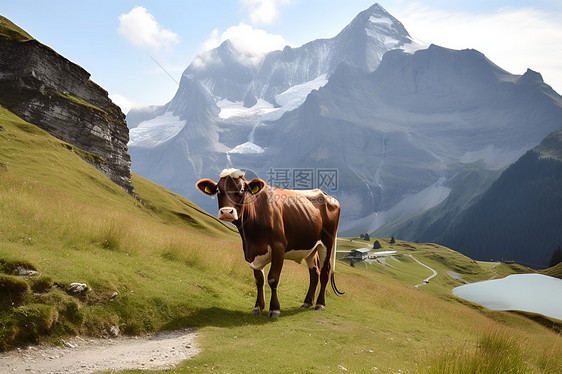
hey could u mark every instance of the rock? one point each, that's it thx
(76, 288)
(49, 91)
(22, 272)
(68, 344)
(114, 331)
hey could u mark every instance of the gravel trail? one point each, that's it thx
(86, 355)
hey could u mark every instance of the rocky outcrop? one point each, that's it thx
(51, 92)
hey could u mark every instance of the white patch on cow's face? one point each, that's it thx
(260, 261)
(232, 173)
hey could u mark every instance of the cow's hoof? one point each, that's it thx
(256, 311)
(274, 314)
(319, 307)
(306, 306)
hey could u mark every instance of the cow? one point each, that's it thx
(277, 224)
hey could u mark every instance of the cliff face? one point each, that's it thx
(51, 92)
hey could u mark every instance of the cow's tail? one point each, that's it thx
(333, 263)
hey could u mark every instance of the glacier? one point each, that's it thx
(153, 132)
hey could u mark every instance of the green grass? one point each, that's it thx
(10, 31)
(173, 266)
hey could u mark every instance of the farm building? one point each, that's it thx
(359, 254)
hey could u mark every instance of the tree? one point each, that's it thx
(376, 245)
(367, 237)
(392, 241)
(556, 257)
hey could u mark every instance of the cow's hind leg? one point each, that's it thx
(312, 262)
(325, 268)
(260, 301)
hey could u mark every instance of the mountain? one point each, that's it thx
(46, 89)
(392, 129)
(225, 94)
(519, 217)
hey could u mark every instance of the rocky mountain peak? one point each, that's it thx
(531, 77)
(377, 19)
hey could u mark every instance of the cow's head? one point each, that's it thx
(233, 191)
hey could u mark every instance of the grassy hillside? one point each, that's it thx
(10, 31)
(161, 263)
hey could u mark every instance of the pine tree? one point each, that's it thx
(556, 257)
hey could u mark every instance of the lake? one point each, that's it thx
(534, 293)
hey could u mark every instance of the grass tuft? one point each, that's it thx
(13, 290)
(42, 284)
(494, 352)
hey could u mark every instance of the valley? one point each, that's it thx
(417, 142)
(172, 266)
(416, 132)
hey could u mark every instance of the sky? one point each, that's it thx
(137, 50)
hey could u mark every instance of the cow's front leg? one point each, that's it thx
(273, 280)
(260, 300)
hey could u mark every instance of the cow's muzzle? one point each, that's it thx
(228, 214)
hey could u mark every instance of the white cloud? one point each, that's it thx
(141, 28)
(263, 12)
(513, 38)
(122, 102)
(254, 42)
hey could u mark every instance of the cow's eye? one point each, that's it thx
(241, 192)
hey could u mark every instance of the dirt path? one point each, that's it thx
(84, 355)
(426, 280)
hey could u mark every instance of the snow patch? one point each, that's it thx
(288, 100)
(296, 95)
(149, 134)
(414, 46)
(381, 21)
(247, 148)
(231, 109)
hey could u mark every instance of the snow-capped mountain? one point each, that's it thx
(397, 122)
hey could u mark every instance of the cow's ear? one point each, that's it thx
(256, 185)
(207, 186)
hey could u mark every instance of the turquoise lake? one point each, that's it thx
(534, 293)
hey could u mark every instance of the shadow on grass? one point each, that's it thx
(220, 317)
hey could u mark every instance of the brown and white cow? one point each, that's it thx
(277, 224)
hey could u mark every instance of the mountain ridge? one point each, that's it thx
(402, 137)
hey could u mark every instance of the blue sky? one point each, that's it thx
(137, 50)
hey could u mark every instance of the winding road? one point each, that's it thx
(426, 280)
